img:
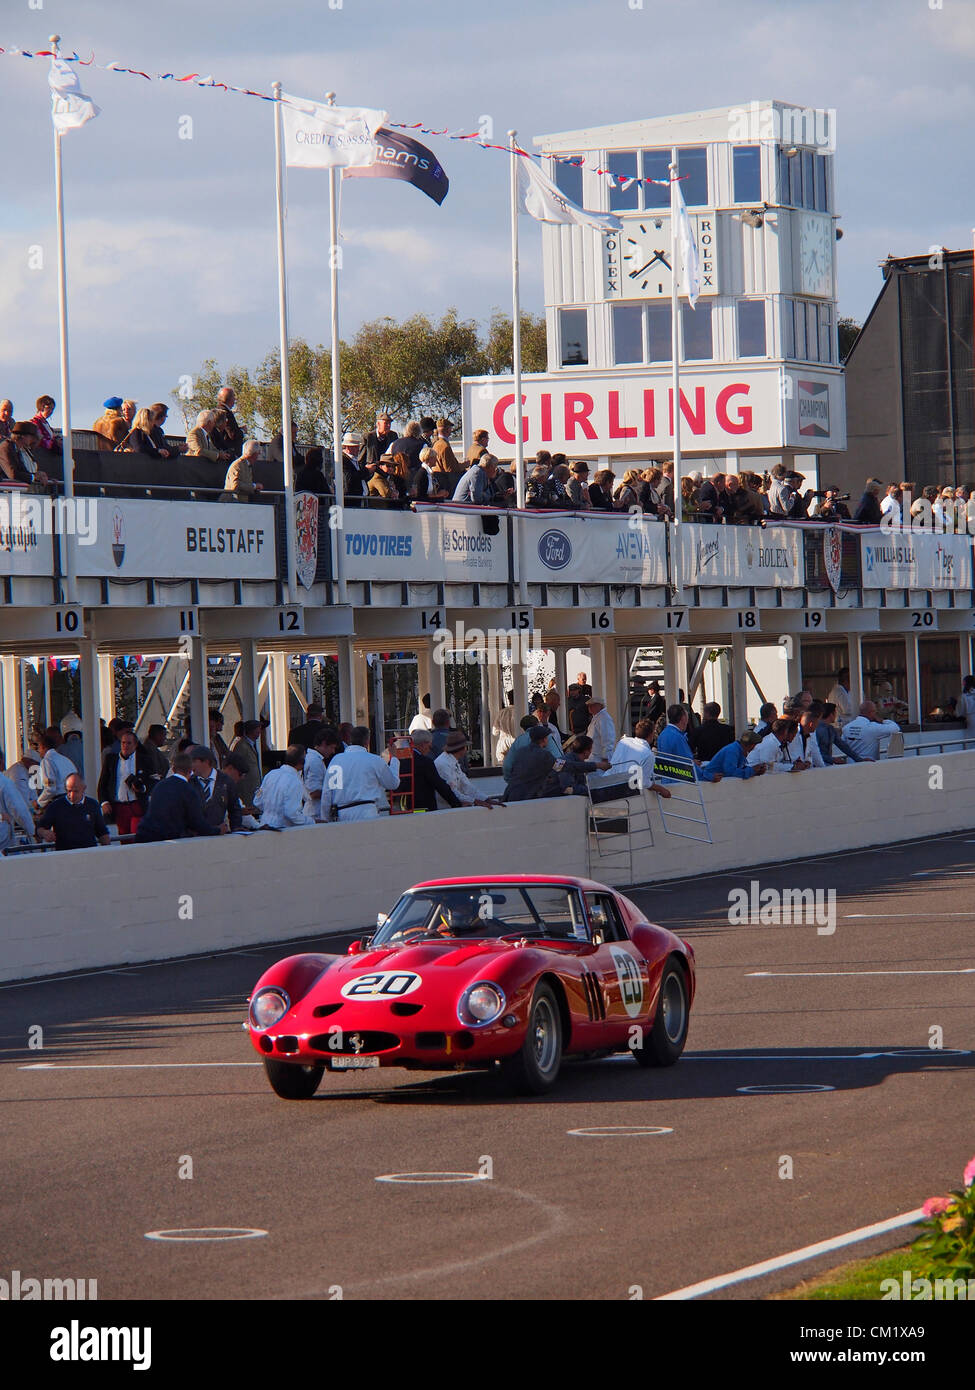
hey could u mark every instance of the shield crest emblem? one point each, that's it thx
(833, 556)
(306, 537)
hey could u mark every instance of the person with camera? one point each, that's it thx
(830, 505)
(127, 778)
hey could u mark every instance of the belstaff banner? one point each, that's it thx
(178, 540)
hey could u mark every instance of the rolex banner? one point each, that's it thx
(766, 558)
(399, 157)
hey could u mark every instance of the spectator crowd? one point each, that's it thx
(391, 471)
(327, 773)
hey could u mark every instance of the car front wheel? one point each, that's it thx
(292, 1081)
(535, 1066)
(664, 1042)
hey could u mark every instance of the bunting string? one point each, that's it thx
(623, 182)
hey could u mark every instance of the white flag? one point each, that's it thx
(323, 137)
(690, 264)
(542, 200)
(70, 108)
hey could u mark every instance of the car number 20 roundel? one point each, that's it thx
(382, 984)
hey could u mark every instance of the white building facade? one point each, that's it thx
(760, 372)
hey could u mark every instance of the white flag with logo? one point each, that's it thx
(329, 137)
(690, 263)
(542, 200)
(70, 108)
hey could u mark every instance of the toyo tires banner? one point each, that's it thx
(457, 547)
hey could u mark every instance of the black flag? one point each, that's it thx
(399, 157)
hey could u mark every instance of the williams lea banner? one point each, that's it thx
(763, 557)
(908, 560)
(179, 540)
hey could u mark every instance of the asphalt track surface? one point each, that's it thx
(94, 1136)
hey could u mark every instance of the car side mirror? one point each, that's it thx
(355, 949)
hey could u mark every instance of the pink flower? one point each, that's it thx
(934, 1206)
(969, 1175)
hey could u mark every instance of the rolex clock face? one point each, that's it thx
(638, 261)
(646, 259)
(816, 239)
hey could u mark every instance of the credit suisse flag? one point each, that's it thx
(329, 137)
(70, 108)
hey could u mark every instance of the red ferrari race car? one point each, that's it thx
(467, 972)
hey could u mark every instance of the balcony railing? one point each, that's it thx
(135, 534)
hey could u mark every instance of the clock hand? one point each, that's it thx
(635, 273)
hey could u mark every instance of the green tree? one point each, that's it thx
(497, 349)
(847, 332)
(408, 368)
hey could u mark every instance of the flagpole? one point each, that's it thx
(67, 453)
(286, 441)
(516, 330)
(337, 469)
(675, 351)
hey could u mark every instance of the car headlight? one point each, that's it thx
(481, 1003)
(269, 1006)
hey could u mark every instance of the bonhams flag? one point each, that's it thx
(542, 200)
(306, 528)
(399, 157)
(324, 137)
(70, 108)
(690, 265)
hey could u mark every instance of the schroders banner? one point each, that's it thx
(908, 560)
(567, 548)
(763, 557)
(179, 540)
(428, 545)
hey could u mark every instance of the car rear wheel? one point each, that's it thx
(534, 1068)
(664, 1042)
(292, 1081)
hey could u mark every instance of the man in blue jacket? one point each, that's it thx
(730, 760)
(672, 742)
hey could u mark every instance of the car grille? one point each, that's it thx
(344, 1044)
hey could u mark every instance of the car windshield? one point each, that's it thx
(532, 910)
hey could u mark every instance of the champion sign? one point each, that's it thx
(813, 401)
(554, 550)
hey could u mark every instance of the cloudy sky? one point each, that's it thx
(172, 241)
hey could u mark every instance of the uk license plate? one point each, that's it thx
(348, 1063)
